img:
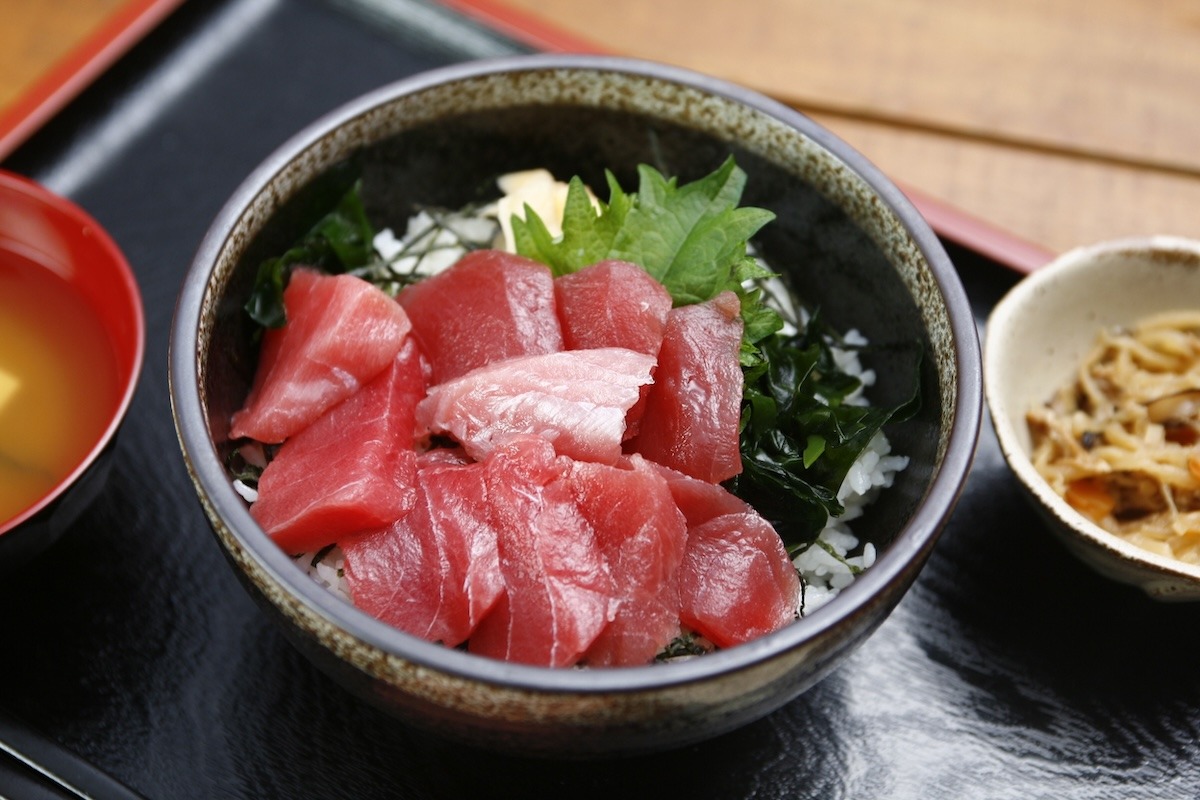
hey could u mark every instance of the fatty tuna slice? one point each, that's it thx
(559, 594)
(340, 333)
(693, 410)
(351, 470)
(574, 399)
(613, 304)
(642, 536)
(737, 583)
(489, 306)
(434, 573)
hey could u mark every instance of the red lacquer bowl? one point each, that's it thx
(40, 228)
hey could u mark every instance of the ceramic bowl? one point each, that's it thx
(847, 237)
(40, 230)
(1038, 335)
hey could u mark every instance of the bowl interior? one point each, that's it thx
(849, 244)
(42, 231)
(1039, 334)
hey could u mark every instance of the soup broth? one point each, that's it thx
(58, 381)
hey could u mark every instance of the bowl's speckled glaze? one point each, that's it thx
(1039, 334)
(845, 236)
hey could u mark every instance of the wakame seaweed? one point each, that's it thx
(339, 242)
(800, 437)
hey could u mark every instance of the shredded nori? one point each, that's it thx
(686, 644)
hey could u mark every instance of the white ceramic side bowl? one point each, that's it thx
(1038, 335)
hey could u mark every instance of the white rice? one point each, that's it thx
(827, 566)
(327, 567)
(248, 493)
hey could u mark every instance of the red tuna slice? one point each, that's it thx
(736, 582)
(575, 399)
(341, 332)
(434, 573)
(692, 412)
(456, 497)
(700, 500)
(642, 536)
(613, 304)
(489, 306)
(352, 470)
(558, 594)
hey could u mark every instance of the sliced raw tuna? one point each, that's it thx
(574, 399)
(613, 304)
(700, 500)
(434, 573)
(736, 582)
(489, 306)
(692, 412)
(559, 594)
(352, 470)
(642, 536)
(341, 332)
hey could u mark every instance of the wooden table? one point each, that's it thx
(1063, 123)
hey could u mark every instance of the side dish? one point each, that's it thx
(54, 352)
(558, 430)
(1121, 442)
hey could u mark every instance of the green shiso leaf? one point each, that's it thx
(587, 237)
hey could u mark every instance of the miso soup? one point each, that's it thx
(58, 381)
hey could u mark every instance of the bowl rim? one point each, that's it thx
(31, 192)
(912, 543)
(1079, 263)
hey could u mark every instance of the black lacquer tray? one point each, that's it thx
(1009, 671)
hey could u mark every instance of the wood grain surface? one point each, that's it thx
(1065, 122)
(36, 34)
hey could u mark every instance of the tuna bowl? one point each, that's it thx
(846, 238)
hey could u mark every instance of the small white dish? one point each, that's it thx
(1036, 338)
